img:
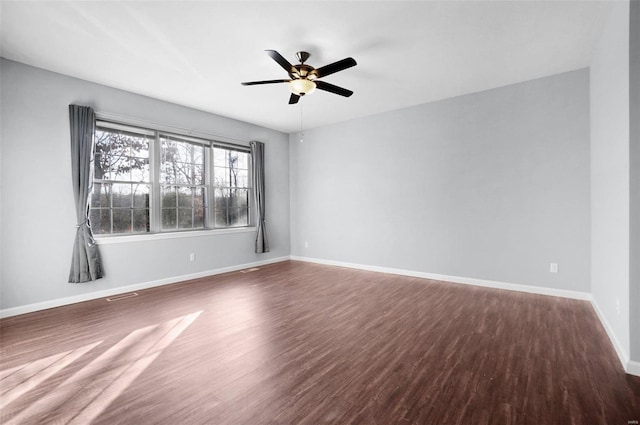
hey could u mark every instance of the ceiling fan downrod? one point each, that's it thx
(303, 56)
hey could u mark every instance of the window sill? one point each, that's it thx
(118, 239)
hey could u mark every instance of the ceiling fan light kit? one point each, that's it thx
(303, 78)
(302, 86)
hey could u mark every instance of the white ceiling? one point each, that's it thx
(197, 53)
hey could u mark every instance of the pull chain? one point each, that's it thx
(301, 133)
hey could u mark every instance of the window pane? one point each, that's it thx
(168, 196)
(221, 217)
(198, 176)
(169, 156)
(243, 160)
(198, 154)
(222, 176)
(199, 199)
(122, 195)
(175, 173)
(242, 218)
(219, 157)
(139, 169)
(142, 152)
(233, 177)
(182, 173)
(102, 150)
(139, 146)
(185, 197)
(167, 174)
(222, 198)
(221, 202)
(120, 168)
(141, 196)
(180, 153)
(182, 162)
(198, 218)
(98, 171)
(100, 220)
(188, 173)
(237, 217)
(168, 148)
(243, 178)
(140, 220)
(185, 218)
(232, 159)
(122, 220)
(240, 198)
(101, 195)
(168, 219)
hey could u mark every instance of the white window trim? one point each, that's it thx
(144, 237)
(178, 131)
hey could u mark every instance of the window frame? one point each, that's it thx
(209, 142)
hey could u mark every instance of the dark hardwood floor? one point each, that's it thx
(299, 343)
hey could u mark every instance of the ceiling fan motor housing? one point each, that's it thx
(304, 71)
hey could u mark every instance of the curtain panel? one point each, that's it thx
(85, 260)
(257, 161)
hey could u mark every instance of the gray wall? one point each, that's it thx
(634, 136)
(493, 185)
(38, 218)
(610, 174)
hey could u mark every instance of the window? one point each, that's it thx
(148, 181)
(231, 183)
(121, 184)
(182, 184)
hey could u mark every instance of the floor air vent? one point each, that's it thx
(251, 270)
(122, 296)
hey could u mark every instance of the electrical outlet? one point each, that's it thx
(192, 257)
(306, 244)
(553, 267)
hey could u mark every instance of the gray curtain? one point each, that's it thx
(257, 160)
(85, 262)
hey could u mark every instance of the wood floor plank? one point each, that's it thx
(300, 343)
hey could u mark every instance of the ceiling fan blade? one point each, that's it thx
(335, 67)
(294, 99)
(254, 83)
(321, 85)
(281, 61)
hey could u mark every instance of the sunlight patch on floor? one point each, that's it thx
(26, 377)
(88, 392)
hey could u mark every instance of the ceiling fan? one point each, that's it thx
(303, 78)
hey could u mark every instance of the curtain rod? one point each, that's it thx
(108, 116)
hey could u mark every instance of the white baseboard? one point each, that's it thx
(633, 368)
(455, 279)
(30, 308)
(630, 366)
